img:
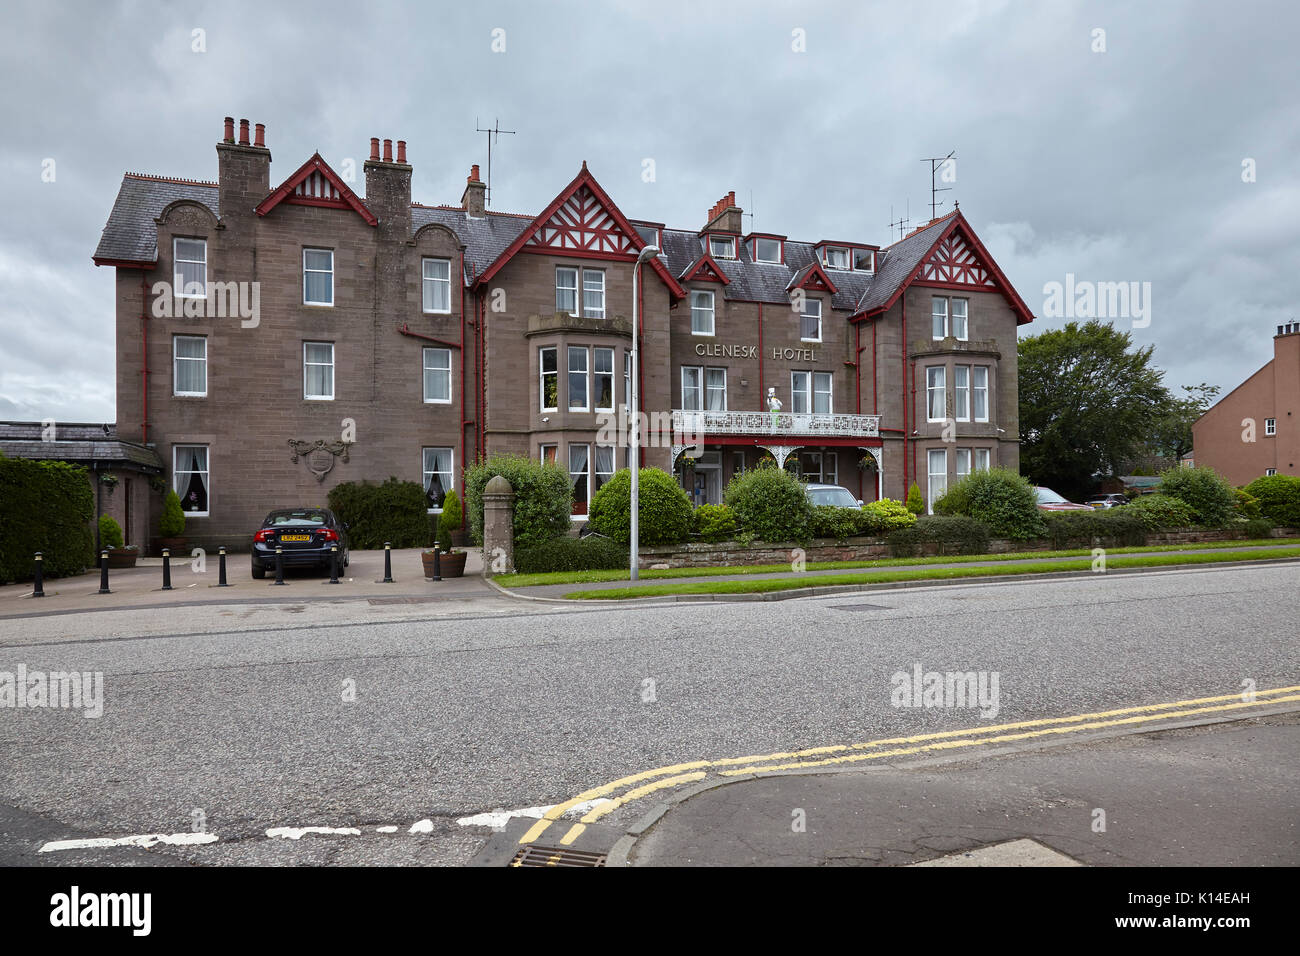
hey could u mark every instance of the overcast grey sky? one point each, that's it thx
(1122, 165)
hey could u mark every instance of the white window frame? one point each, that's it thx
(541, 377)
(426, 279)
(427, 368)
(569, 352)
(333, 390)
(450, 484)
(1270, 426)
(976, 390)
(986, 456)
(177, 358)
(206, 473)
(779, 251)
(709, 389)
(871, 257)
(826, 258)
(553, 448)
(306, 272)
(597, 375)
(931, 475)
(807, 302)
(936, 384)
(593, 312)
(1270, 472)
(178, 285)
(627, 378)
(938, 324)
(962, 335)
(828, 391)
(962, 470)
(698, 388)
(702, 293)
(600, 478)
(961, 394)
(579, 516)
(800, 394)
(730, 242)
(577, 303)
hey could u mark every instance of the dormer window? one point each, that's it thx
(766, 250)
(722, 247)
(864, 260)
(836, 257)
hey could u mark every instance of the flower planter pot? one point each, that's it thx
(177, 546)
(450, 565)
(122, 557)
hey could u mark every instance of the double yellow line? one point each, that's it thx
(663, 778)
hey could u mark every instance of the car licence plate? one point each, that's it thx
(295, 537)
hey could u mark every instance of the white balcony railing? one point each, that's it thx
(781, 424)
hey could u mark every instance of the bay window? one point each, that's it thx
(603, 364)
(937, 462)
(980, 373)
(961, 392)
(981, 459)
(580, 476)
(936, 406)
(550, 379)
(578, 380)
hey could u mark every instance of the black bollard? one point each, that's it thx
(38, 588)
(279, 564)
(388, 564)
(167, 569)
(103, 573)
(221, 569)
(334, 564)
(437, 563)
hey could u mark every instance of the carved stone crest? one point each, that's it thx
(320, 454)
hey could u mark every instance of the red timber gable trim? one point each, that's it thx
(704, 269)
(315, 184)
(962, 263)
(582, 222)
(815, 280)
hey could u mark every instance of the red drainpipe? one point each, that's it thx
(904, 357)
(463, 444)
(762, 394)
(875, 404)
(857, 374)
(482, 369)
(144, 359)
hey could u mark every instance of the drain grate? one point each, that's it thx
(860, 607)
(534, 855)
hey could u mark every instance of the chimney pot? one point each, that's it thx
(401, 151)
(228, 133)
(374, 148)
(243, 132)
(1279, 329)
(473, 174)
(259, 138)
(388, 150)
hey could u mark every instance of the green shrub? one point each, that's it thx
(1279, 498)
(829, 521)
(915, 503)
(999, 498)
(1212, 499)
(1256, 528)
(543, 497)
(172, 522)
(715, 523)
(772, 505)
(110, 532)
(1113, 527)
(45, 506)
(1247, 504)
(663, 513)
(571, 554)
(953, 534)
(395, 511)
(879, 517)
(1161, 512)
(449, 520)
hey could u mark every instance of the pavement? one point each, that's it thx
(141, 587)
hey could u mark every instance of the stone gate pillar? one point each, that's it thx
(498, 527)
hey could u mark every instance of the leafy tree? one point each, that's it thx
(1172, 434)
(1088, 401)
(915, 503)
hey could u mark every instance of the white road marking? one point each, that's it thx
(297, 833)
(145, 840)
(498, 819)
(385, 829)
(422, 826)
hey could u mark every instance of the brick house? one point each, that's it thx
(1252, 431)
(273, 340)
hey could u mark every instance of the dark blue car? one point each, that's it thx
(306, 536)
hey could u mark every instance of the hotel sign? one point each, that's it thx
(727, 350)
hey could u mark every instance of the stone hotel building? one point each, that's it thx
(276, 338)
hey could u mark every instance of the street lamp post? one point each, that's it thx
(634, 453)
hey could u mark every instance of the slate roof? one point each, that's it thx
(898, 262)
(78, 443)
(130, 234)
(485, 239)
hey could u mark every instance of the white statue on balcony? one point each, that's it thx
(773, 405)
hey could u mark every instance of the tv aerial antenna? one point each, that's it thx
(493, 134)
(901, 222)
(936, 162)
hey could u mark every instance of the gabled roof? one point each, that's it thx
(130, 236)
(812, 276)
(314, 183)
(704, 269)
(631, 236)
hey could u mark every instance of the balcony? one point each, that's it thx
(775, 424)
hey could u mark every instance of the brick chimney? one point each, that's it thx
(725, 216)
(388, 189)
(243, 170)
(473, 199)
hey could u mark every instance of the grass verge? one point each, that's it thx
(923, 574)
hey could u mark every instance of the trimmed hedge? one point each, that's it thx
(1212, 499)
(663, 509)
(878, 517)
(1257, 528)
(954, 534)
(1247, 504)
(543, 497)
(999, 498)
(1279, 498)
(771, 503)
(395, 511)
(45, 506)
(715, 523)
(1114, 527)
(571, 554)
(1161, 512)
(829, 521)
